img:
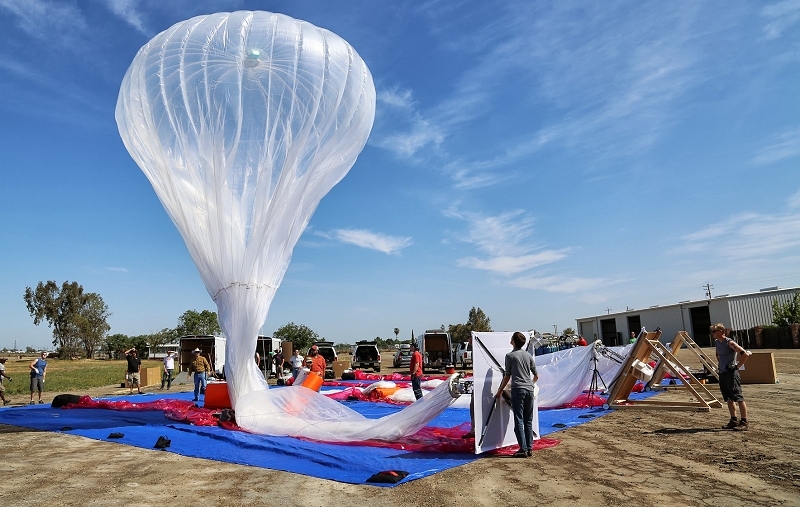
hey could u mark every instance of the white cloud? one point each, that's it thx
(506, 239)
(46, 20)
(509, 265)
(747, 236)
(562, 284)
(400, 127)
(126, 10)
(371, 240)
(794, 200)
(786, 145)
(117, 270)
(782, 16)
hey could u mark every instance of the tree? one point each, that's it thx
(784, 315)
(161, 338)
(193, 322)
(568, 332)
(300, 335)
(116, 344)
(91, 323)
(77, 317)
(476, 321)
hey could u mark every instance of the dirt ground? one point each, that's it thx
(626, 458)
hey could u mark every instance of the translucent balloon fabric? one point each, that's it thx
(242, 122)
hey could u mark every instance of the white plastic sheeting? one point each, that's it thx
(565, 374)
(242, 122)
(300, 412)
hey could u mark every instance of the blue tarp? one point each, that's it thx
(344, 463)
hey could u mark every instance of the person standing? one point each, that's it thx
(169, 368)
(38, 374)
(134, 368)
(318, 363)
(581, 341)
(277, 361)
(730, 383)
(415, 369)
(632, 338)
(297, 363)
(3, 374)
(521, 372)
(200, 367)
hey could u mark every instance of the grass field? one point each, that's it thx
(65, 376)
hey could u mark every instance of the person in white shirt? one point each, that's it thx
(297, 363)
(169, 368)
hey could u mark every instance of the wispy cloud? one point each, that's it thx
(402, 128)
(506, 240)
(747, 236)
(562, 284)
(117, 270)
(785, 145)
(781, 16)
(126, 10)
(794, 200)
(370, 240)
(46, 20)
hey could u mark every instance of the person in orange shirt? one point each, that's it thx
(415, 368)
(318, 363)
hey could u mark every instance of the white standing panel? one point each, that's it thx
(487, 379)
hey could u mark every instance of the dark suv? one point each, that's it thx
(366, 355)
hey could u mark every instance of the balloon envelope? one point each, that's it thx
(242, 122)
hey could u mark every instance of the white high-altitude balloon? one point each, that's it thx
(242, 122)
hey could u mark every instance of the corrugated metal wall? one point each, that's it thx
(756, 309)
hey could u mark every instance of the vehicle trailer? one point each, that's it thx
(211, 347)
(436, 349)
(265, 348)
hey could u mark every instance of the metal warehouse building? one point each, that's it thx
(739, 313)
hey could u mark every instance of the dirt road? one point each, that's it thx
(626, 458)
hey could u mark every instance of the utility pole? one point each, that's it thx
(555, 329)
(608, 311)
(708, 288)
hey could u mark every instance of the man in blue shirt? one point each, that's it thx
(38, 373)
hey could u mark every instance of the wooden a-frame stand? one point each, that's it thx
(648, 346)
(682, 338)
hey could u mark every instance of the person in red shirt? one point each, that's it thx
(318, 363)
(582, 341)
(415, 368)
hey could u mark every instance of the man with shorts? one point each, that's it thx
(3, 374)
(38, 373)
(134, 367)
(730, 383)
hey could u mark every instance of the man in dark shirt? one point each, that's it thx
(134, 367)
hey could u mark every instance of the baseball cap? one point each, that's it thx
(196, 350)
(314, 347)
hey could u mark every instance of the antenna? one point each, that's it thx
(708, 288)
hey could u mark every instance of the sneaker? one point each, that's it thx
(520, 454)
(40, 402)
(6, 402)
(530, 453)
(194, 399)
(742, 426)
(31, 403)
(732, 424)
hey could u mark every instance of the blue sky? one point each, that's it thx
(544, 161)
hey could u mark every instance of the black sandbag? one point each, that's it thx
(388, 476)
(65, 399)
